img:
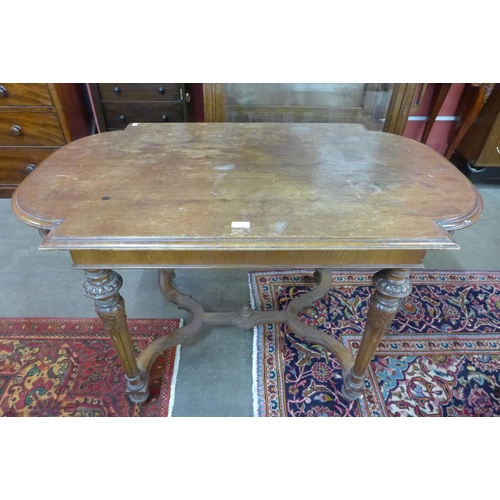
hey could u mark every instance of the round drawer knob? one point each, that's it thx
(117, 90)
(3, 91)
(30, 168)
(16, 130)
(122, 118)
(161, 90)
(164, 118)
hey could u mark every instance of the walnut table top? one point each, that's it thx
(222, 194)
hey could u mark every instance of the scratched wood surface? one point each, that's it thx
(299, 186)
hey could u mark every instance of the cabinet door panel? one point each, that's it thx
(491, 153)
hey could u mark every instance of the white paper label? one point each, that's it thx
(240, 225)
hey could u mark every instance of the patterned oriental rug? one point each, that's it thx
(441, 356)
(68, 367)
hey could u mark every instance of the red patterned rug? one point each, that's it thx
(68, 367)
(441, 356)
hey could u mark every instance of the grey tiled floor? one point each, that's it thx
(215, 372)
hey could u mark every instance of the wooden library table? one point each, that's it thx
(246, 195)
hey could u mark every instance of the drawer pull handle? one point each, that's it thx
(164, 118)
(117, 90)
(30, 168)
(161, 90)
(122, 118)
(16, 130)
(3, 91)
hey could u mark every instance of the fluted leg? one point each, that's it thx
(103, 286)
(391, 285)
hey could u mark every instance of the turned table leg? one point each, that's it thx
(391, 285)
(103, 286)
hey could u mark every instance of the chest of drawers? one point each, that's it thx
(36, 119)
(118, 104)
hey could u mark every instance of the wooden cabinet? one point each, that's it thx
(378, 106)
(35, 120)
(118, 104)
(481, 144)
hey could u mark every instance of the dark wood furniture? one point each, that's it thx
(473, 99)
(116, 105)
(245, 195)
(438, 97)
(35, 120)
(480, 146)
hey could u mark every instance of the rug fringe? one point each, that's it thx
(174, 374)
(254, 373)
(254, 353)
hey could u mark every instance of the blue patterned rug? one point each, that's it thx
(440, 357)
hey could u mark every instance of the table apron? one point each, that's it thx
(352, 259)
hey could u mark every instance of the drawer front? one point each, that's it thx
(16, 164)
(118, 116)
(25, 94)
(120, 92)
(30, 129)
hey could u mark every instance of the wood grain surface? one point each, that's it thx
(180, 187)
(25, 94)
(37, 128)
(139, 91)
